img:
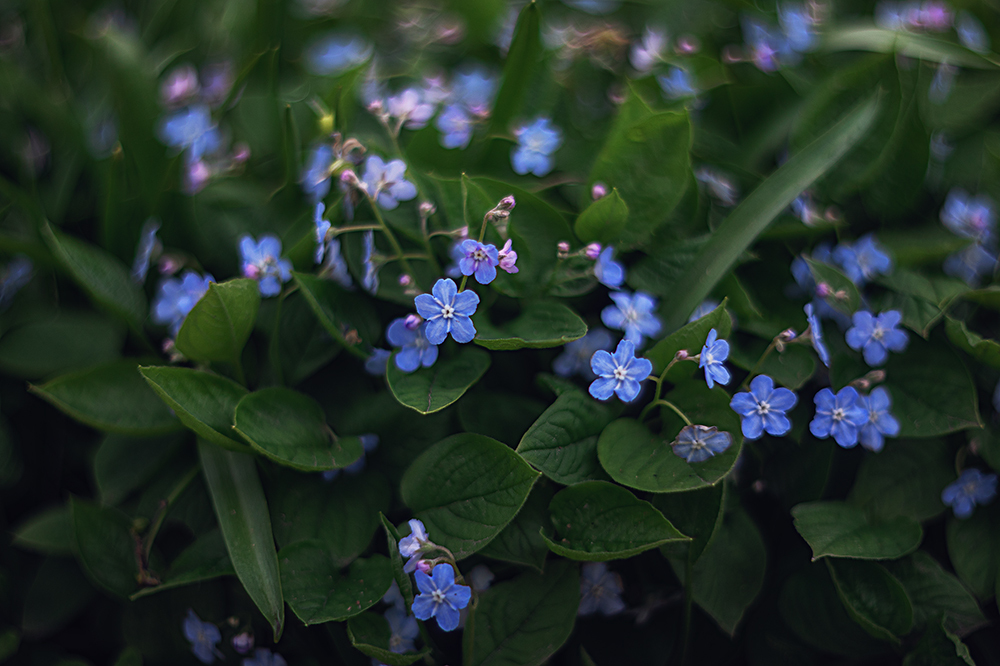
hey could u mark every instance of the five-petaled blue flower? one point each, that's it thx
(816, 334)
(176, 297)
(619, 374)
(632, 314)
(863, 260)
(455, 125)
(880, 423)
(875, 337)
(769, 48)
(609, 272)
(191, 129)
(440, 597)
(480, 260)
(264, 657)
(575, 359)
(713, 354)
(972, 488)
(416, 350)
(403, 629)
(600, 590)
(386, 183)
(838, 415)
(262, 262)
(763, 408)
(447, 311)
(969, 216)
(697, 443)
(377, 362)
(203, 637)
(535, 144)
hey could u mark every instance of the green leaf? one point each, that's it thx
(396, 561)
(837, 529)
(603, 220)
(935, 592)
(370, 634)
(836, 280)
(318, 591)
(988, 296)
(524, 621)
(112, 397)
(866, 37)
(503, 415)
(289, 428)
(921, 300)
(105, 279)
(691, 337)
(596, 521)
(466, 489)
(521, 541)
(939, 647)
(523, 56)
(985, 351)
(241, 509)
(204, 402)
(791, 368)
(205, 559)
(124, 464)
(873, 598)
(49, 532)
(974, 550)
(540, 325)
(738, 231)
(429, 390)
(697, 513)
(562, 443)
(105, 546)
(68, 341)
(905, 479)
(58, 593)
(340, 311)
(220, 323)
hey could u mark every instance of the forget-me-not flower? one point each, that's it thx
(415, 350)
(386, 182)
(508, 258)
(440, 597)
(718, 185)
(176, 297)
(632, 313)
(816, 334)
(972, 488)
(412, 545)
(600, 590)
(377, 362)
(403, 629)
(838, 415)
(618, 374)
(875, 337)
(536, 142)
(203, 637)
(264, 657)
(575, 359)
(479, 260)
(334, 53)
(447, 311)
(650, 50)
(144, 250)
(261, 261)
(474, 88)
(191, 129)
(697, 443)
(880, 423)
(763, 408)
(969, 216)
(609, 272)
(862, 260)
(712, 355)
(768, 47)
(798, 26)
(316, 174)
(676, 84)
(410, 108)
(455, 125)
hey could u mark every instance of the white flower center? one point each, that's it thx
(395, 641)
(437, 596)
(763, 407)
(479, 255)
(838, 414)
(707, 355)
(447, 311)
(878, 333)
(621, 374)
(631, 314)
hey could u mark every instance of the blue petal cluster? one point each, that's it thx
(634, 314)
(815, 333)
(875, 337)
(972, 217)
(712, 355)
(403, 630)
(863, 259)
(440, 597)
(880, 423)
(618, 374)
(838, 415)
(479, 260)
(386, 182)
(261, 261)
(609, 272)
(415, 349)
(763, 408)
(176, 297)
(697, 443)
(447, 311)
(337, 52)
(972, 488)
(677, 84)
(536, 142)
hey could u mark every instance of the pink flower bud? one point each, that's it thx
(593, 251)
(405, 280)
(241, 152)
(563, 247)
(424, 565)
(687, 45)
(196, 177)
(412, 321)
(681, 354)
(251, 271)
(507, 203)
(598, 191)
(427, 209)
(823, 290)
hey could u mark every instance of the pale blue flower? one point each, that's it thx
(440, 597)
(862, 260)
(455, 125)
(972, 488)
(479, 260)
(815, 332)
(191, 129)
(875, 337)
(712, 355)
(264, 657)
(697, 443)
(377, 362)
(261, 261)
(13, 278)
(633, 314)
(203, 637)
(176, 297)
(448, 311)
(403, 630)
(718, 185)
(650, 50)
(334, 53)
(413, 544)
(676, 84)
(971, 264)
(475, 88)
(798, 26)
(600, 590)
(763, 408)
(703, 309)
(536, 142)
(618, 374)
(575, 359)
(386, 182)
(969, 216)
(838, 415)
(316, 174)
(768, 47)
(410, 108)
(415, 350)
(971, 33)
(609, 272)
(880, 423)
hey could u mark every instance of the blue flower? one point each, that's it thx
(838, 415)
(480, 578)
(972, 488)
(403, 629)
(877, 336)
(144, 251)
(480, 260)
(609, 272)
(377, 362)
(575, 359)
(440, 597)
(535, 144)
(971, 264)
(322, 229)
(411, 545)
(600, 590)
(816, 334)
(880, 423)
(385, 182)
(712, 355)
(190, 128)
(176, 297)
(707, 306)
(769, 48)
(676, 84)
(798, 26)
(619, 374)
(316, 175)
(203, 637)
(971, 33)
(262, 261)
(969, 217)
(416, 350)
(447, 311)
(697, 443)
(863, 260)
(763, 408)
(337, 52)
(475, 88)
(455, 126)
(243, 642)
(13, 278)
(632, 314)
(410, 108)
(264, 657)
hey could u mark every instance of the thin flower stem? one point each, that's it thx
(664, 403)
(355, 227)
(465, 278)
(391, 236)
(760, 362)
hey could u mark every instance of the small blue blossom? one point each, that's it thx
(712, 355)
(971, 33)
(798, 26)
(264, 657)
(609, 272)
(575, 359)
(807, 210)
(410, 108)
(863, 260)
(763, 408)
(968, 216)
(838, 415)
(676, 84)
(403, 629)
(386, 182)
(144, 250)
(447, 311)
(880, 423)
(316, 175)
(600, 590)
(176, 297)
(972, 488)
(698, 443)
(13, 278)
(816, 334)
(203, 637)
(370, 280)
(191, 129)
(337, 52)
(769, 48)
(480, 578)
(474, 88)
(322, 229)
(479, 260)
(650, 50)
(455, 125)
(536, 142)
(707, 306)
(877, 336)
(412, 545)
(415, 350)
(440, 597)
(262, 261)
(634, 315)
(971, 264)
(377, 362)
(618, 374)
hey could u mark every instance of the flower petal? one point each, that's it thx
(603, 387)
(462, 329)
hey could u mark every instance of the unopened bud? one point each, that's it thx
(758, 486)
(427, 209)
(326, 123)
(405, 280)
(168, 345)
(251, 271)
(732, 54)
(598, 191)
(348, 177)
(787, 335)
(424, 565)
(593, 251)
(376, 107)
(507, 203)
(840, 295)
(876, 376)
(243, 643)
(241, 152)
(687, 45)
(681, 354)
(832, 214)
(352, 337)
(823, 290)
(412, 322)
(562, 249)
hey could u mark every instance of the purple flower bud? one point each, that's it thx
(412, 321)
(180, 86)
(598, 191)
(823, 290)
(681, 354)
(243, 643)
(405, 280)
(348, 177)
(508, 258)
(424, 565)
(196, 177)
(427, 209)
(687, 45)
(168, 264)
(507, 203)
(563, 247)
(593, 251)
(241, 152)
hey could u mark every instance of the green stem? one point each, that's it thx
(465, 278)
(665, 403)
(391, 236)
(336, 231)
(161, 513)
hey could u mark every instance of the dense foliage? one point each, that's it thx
(447, 332)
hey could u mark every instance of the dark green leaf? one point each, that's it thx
(985, 351)
(974, 550)
(203, 402)
(429, 390)
(68, 341)
(503, 415)
(58, 593)
(521, 541)
(540, 325)
(935, 592)
(691, 338)
(790, 368)
(220, 323)
(839, 283)
(603, 220)
(125, 464)
(205, 559)
(105, 545)
(837, 529)
(939, 647)
(370, 634)
(522, 57)
(49, 532)
(396, 560)
(988, 296)
(905, 479)
(873, 597)
(340, 311)
(697, 513)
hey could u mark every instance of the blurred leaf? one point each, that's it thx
(837, 529)
(691, 337)
(339, 311)
(370, 634)
(522, 57)
(105, 545)
(220, 323)
(988, 296)
(603, 220)
(905, 479)
(824, 273)
(203, 402)
(318, 591)
(58, 593)
(521, 541)
(873, 598)
(939, 647)
(974, 550)
(866, 37)
(935, 592)
(205, 559)
(428, 390)
(466, 489)
(124, 464)
(540, 325)
(985, 351)
(504, 416)
(67, 341)
(49, 532)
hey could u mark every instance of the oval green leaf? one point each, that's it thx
(220, 323)
(522, 58)
(204, 402)
(521, 541)
(429, 390)
(691, 338)
(873, 598)
(105, 546)
(369, 633)
(540, 325)
(837, 529)
(603, 220)
(49, 532)
(824, 273)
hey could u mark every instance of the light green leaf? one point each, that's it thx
(837, 529)
(204, 402)
(370, 634)
(866, 37)
(540, 325)
(873, 598)
(562, 443)
(220, 323)
(429, 390)
(603, 220)
(49, 532)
